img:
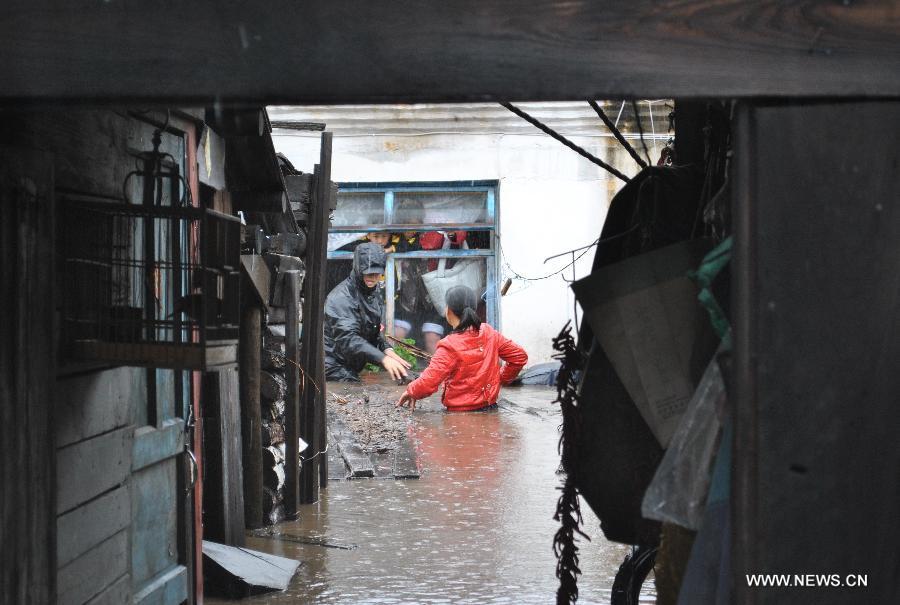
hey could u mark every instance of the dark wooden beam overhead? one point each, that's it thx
(431, 50)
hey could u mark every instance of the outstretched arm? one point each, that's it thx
(438, 370)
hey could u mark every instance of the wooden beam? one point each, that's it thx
(315, 472)
(27, 370)
(428, 50)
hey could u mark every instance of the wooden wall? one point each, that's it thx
(94, 441)
(109, 535)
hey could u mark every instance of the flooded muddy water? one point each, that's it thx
(477, 527)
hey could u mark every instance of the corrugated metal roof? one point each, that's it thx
(575, 118)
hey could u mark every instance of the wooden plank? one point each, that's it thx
(256, 272)
(357, 461)
(292, 486)
(98, 402)
(92, 572)
(116, 594)
(214, 354)
(27, 369)
(337, 468)
(501, 49)
(89, 468)
(169, 588)
(87, 526)
(152, 445)
(405, 463)
(816, 447)
(224, 506)
(154, 512)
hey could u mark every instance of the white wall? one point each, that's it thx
(550, 198)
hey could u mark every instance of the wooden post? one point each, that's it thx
(224, 505)
(816, 275)
(315, 472)
(322, 218)
(27, 372)
(292, 398)
(251, 420)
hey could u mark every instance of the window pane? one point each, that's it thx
(440, 207)
(359, 209)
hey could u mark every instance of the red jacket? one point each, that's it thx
(468, 363)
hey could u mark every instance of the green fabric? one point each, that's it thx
(711, 265)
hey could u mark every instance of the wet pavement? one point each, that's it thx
(477, 527)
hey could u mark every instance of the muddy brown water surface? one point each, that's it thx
(477, 527)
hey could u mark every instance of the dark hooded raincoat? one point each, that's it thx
(353, 316)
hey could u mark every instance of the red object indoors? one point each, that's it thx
(434, 240)
(468, 363)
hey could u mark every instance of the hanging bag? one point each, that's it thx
(466, 272)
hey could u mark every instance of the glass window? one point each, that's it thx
(418, 219)
(440, 207)
(359, 208)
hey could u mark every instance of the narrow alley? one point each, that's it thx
(476, 527)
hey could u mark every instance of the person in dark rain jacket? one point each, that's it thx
(467, 361)
(353, 313)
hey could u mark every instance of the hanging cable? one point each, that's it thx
(584, 250)
(579, 150)
(637, 119)
(617, 134)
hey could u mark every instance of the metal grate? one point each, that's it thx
(149, 285)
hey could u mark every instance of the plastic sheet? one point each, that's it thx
(677, 493)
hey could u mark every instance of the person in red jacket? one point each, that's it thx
(467, 361)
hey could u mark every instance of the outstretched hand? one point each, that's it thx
(395, 367)
(406, 398)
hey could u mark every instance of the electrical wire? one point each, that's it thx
(316, 455)
(615, 131)
(584, 249)
(637, 119)
(579, 150)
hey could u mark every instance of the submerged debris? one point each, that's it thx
(369, 413)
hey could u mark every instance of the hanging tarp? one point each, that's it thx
(645, 314)
(615, 454)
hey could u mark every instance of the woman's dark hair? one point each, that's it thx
(463, 301)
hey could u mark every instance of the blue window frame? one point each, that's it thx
(423, 207)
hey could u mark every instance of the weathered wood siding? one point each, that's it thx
(115, 464)
(94, 436)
